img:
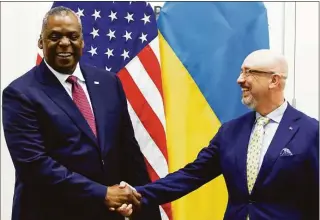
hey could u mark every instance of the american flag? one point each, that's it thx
(122, 37)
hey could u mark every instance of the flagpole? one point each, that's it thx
(294, 55)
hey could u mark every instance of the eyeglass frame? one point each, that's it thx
(250, 71)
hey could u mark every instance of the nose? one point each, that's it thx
(240, 79)
(64, 41)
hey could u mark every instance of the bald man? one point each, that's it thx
(269, 157)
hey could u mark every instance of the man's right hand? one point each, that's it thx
(117, 196)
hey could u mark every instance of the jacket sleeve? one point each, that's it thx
(134, 166)
(312, 195)
(187, 179)
(32, 163)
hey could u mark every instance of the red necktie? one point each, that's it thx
(80, 99)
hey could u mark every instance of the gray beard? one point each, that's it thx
(250, 103)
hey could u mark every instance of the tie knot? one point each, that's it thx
(263, 121)
(72, 79)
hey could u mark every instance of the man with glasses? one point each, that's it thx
(268, 157)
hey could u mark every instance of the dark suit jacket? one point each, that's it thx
(287, 187)
(62, 169)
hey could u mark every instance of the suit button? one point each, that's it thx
(102, 161)
(251, 201)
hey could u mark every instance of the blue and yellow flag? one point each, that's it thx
(202, 47)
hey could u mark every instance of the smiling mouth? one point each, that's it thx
(64, 55)
(245, 92)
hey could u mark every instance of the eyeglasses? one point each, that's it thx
(248, 72)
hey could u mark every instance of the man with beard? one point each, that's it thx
(269, 157)
(69, 133)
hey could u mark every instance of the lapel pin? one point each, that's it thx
(96, 82)
(290, 128)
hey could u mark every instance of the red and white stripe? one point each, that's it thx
(142, 82)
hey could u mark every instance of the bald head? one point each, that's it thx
(263, 86)
(267, 60)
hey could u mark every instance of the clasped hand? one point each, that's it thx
(123, 198)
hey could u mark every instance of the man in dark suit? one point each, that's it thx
(69, 133)
(269, 157)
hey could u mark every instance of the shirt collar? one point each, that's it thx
(63, 77)
(276, 115)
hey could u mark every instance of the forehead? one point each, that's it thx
(66, 22)
(259, 62)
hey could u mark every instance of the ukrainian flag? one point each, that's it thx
(202, 47)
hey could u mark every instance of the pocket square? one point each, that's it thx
(285, 152)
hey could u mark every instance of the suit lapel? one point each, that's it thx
(242, 145)
(285, 132)
(55, 91)
(95, 87)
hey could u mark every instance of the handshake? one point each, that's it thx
(123, 198)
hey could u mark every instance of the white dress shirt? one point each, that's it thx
(68, 87)
(270, 129)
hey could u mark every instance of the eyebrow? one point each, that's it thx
(260, 71)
